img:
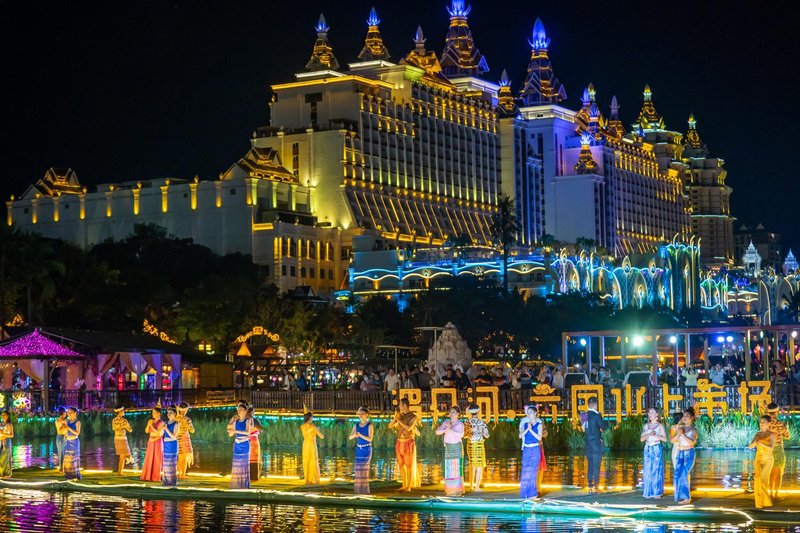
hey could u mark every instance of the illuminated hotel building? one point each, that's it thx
(398, 148)
(410, 154)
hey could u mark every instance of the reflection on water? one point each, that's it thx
(34, 511)
(721, 468)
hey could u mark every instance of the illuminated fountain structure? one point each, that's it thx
(449, 349)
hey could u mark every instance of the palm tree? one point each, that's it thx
(37, 263)
(504, 231)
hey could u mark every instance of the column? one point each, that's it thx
(654, 377)
(765, 351)
(602, 351)
(622, 353)
(748, 359)
(564, 361)
(589, 355)
(705, 353)
(688, 349)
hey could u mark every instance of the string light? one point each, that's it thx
(35, 345)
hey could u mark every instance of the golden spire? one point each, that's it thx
(420, 57)
(374, 49)
(322, 57)
(648, 117)
(585, 164)
(541, 85)
(615, 127)
(505, 99)
(460, 56)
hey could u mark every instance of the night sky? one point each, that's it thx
(139, 90)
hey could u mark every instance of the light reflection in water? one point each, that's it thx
(34, 511)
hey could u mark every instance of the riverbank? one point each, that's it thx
(731, 506)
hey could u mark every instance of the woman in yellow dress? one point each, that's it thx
(764, 443)
(310, 455)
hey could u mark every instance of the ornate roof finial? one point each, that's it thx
(591, 90)
(615, 126)
(539, 39)
(460, 56)
(648, 118)
(424, 59)
(541, 85)
(505, 98)
(585, 164)
(322, 57)
(374, 49)
(693, 141)
(585, 98)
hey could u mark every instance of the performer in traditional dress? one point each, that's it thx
(239, 428)
(764, 443)
(405, 448)
(530, 433)
(255, 444)
(121, 428)
(169, 464)
(363, 432)
(185, 450)
(477, 432)
(781, 433)
(310, 454)
(154, 456)
(61, 431)
(72, 446)
(685, 438)
(453, 431)
(6, 434)
(653, 434)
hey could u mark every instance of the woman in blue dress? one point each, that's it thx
(653, 434)
(363, 432)
(239, 428)
(530, 432)
(72, 445)
(685, 438)
(169, 465)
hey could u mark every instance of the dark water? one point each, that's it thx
(25, 510)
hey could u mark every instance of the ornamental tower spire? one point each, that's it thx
(374, 49)
(422, 58)
(541, 85)
(648, 118)
(585, 164)
(505, 98)
(460, 56)
(615, 127)
(693, 141)
(322, 57)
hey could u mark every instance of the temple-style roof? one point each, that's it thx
(614, 126)
(790, 264)
(648, 118)
(426, 60)
(374, 49)
(56, 181)
(589, 118)
(541, 85)
(506, 105)
(322, 57)
(695, 146)
(261, 163)
(586, 163)
(460, 56)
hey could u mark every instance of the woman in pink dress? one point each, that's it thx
(151, 470)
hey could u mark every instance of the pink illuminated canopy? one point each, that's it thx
(34, 345)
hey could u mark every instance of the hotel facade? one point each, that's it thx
(413, 153)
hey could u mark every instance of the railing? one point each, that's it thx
(346, 401)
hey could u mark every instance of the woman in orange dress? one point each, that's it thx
(153, 457)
